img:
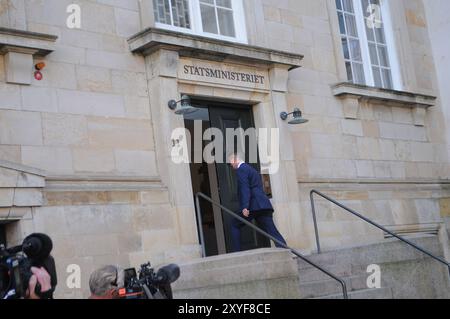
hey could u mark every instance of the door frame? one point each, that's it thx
(212, 168)
(164, 67)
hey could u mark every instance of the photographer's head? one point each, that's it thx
(105, 282)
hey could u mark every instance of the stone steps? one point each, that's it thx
(400, 264)
(382, 293)
(278, 274)
(258, 274)
(330, 287)
(312, 274)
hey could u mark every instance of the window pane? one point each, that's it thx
(341, 23)
(348, 66)
(377, 77)
(338, 4)
(350, 23)
(379, 33)
(387, 78)
(179, 16)
(382, 53)
(345, 48)
(358, 71)
(369, 32)
(348, 5)
(207, 1)
(180, 13)
(373, 54)
(226, 22)
(355, 50)
(161, 11)
(365, 5)
(209, 19)
(224, 3)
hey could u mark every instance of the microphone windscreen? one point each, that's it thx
(169, 273)
(37, 246)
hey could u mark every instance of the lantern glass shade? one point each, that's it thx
(185, 106)
(297, 118)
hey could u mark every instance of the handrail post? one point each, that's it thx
(316, 229)
(200, 226)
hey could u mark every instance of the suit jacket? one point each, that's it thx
(250, 190)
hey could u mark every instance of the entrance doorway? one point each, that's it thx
(218, 180)
(2, 233)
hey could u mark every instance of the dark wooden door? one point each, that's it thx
(226, 117)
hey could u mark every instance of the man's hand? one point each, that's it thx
(41, 276)
(246, 212)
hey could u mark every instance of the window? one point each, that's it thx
(221, 19)
(217, 17)
(368, 50)
(172, 12)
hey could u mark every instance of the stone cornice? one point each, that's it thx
(372, 94)
(21, 168)
(26, 41)
(105, 183)
(152, 39)
(354, 94)
(374, 181)
(20, 188)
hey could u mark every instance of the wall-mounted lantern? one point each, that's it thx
(185, 106)
(297, 117)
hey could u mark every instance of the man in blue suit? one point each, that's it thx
(253, 202)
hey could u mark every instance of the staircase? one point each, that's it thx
(256, 274)
(405, 273)
(409, 268)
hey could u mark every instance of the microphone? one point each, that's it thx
(37, 246)
(168, 274)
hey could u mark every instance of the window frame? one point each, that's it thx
(196, 24)
(364, 44)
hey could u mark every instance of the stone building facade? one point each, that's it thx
(85, 153)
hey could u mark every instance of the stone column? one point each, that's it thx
(290, 219)
(162, 67)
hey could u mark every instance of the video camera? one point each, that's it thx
(149, 284)
(16, 263)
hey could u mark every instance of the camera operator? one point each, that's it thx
(28, 271)
(42, 277)
(105, 282)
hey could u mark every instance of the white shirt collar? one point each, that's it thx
(240, 163)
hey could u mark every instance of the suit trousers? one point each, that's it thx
(265, 222)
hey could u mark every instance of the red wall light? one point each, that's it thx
(37, 74)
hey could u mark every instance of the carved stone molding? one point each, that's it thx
(153, 39)
(352, 95)
(19, 47)
(20, 189)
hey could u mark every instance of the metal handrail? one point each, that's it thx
(259, 230)
(441, 260)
